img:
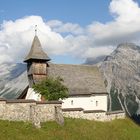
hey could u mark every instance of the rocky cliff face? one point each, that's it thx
(13, 80)
(121, 70)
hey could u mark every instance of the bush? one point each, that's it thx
(52, 88)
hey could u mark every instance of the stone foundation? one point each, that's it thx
(97, 115)
(30, 110)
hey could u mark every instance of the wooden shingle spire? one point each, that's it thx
(36, 51)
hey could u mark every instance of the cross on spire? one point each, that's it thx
(35, 30)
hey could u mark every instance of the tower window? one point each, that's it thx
(96, 103)
(71, 102)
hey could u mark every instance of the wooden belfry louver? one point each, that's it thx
(36, 62)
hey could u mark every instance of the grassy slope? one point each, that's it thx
(74, 129)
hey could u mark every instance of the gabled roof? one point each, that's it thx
(80, 79)
(36, 51)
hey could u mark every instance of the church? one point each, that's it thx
(84, 82)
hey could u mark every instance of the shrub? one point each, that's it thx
(52, 88)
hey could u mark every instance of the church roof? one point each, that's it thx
(80, 79)
(36, 51)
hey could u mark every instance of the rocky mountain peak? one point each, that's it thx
(127, 46)
(122, 75)
(125, 51)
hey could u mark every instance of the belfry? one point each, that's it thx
(37, 62)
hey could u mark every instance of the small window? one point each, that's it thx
(96, 103)
(71, 102)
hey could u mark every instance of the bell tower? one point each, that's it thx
(37, 62)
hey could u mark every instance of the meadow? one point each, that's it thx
(73, 129)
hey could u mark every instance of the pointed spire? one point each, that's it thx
(36, 52)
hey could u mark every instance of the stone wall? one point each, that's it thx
(40, 111)
(30, 110)
(97, 115)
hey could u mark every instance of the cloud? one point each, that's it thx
(59, 38)
(54, 23)
(61, 27)
(123, 28)
(16, 38)
(98, 51)
(124, 10)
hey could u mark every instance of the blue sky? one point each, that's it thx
(70, 30)
(77, 11)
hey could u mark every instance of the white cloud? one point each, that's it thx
(98, 51)
(59, 38)
(125, 10)
(54, 23)
(124, 27)
(16, 37)
(61, 27)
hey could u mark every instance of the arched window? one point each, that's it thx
(71, 102)
(96, 103)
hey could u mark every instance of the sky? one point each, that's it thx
(70, 31)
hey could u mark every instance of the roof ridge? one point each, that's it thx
(75, 65)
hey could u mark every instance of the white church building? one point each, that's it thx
(84, 82)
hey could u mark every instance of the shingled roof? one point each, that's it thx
(80, 79)
(36, 51)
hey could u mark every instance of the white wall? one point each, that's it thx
(31, 94)
(96, 102)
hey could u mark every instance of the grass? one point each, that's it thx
(73, 129)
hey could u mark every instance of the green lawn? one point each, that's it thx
(73, 129)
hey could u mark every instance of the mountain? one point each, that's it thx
(121, 70)
(13, 80)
